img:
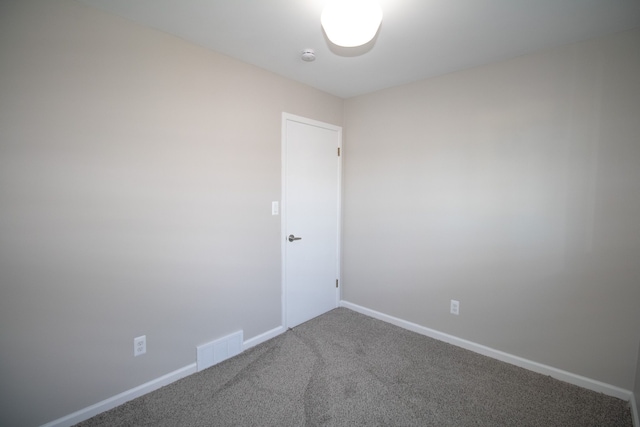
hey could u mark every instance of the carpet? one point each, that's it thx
(347, 369)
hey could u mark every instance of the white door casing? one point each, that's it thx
(311, 182)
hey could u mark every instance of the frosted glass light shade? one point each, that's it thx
(351, 23)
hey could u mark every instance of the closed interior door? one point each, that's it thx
(311, 218)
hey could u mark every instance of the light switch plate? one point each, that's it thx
(275, 209)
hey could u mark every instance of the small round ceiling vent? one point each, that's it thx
(308, 55)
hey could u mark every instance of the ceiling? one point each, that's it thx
(417, 39)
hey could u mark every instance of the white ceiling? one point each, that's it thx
(417, 39)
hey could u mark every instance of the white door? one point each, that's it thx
(310, 218)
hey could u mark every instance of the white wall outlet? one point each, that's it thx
(455, 307)
(139, 345)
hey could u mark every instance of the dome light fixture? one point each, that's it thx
(351, 23)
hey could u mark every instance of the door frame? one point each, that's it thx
(283, 207)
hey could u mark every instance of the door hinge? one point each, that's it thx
(336, 283)
(338, 151)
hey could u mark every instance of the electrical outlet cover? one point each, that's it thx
(139, 345)
(455, 307)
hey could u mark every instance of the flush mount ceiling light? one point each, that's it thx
(351, 23)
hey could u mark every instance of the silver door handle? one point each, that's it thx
(292, 238)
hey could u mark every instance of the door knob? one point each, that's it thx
(292, 238)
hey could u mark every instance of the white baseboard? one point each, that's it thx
(559, 374)
(263, 337)
(634, 412)
(119, 399)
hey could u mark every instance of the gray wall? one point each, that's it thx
(513, 188)
(636, 389)
(136, 178)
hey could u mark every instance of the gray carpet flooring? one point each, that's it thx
(347, 369)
